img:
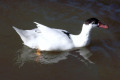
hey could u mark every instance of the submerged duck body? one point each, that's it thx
(50, 39)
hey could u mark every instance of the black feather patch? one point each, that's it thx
(67, 33)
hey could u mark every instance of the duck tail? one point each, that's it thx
(22, 34)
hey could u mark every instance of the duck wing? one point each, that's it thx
(44, 29)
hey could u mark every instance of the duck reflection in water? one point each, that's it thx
(27, 54)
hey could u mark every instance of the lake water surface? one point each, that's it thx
(98, 61)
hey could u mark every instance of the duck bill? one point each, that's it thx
(103, 26)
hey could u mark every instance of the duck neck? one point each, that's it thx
(83, 38)
(85, 31)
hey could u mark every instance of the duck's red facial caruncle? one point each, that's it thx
(102, 25)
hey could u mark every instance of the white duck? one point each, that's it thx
(45, 38)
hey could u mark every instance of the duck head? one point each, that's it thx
(93, 22)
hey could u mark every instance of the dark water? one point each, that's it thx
(98, 61)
